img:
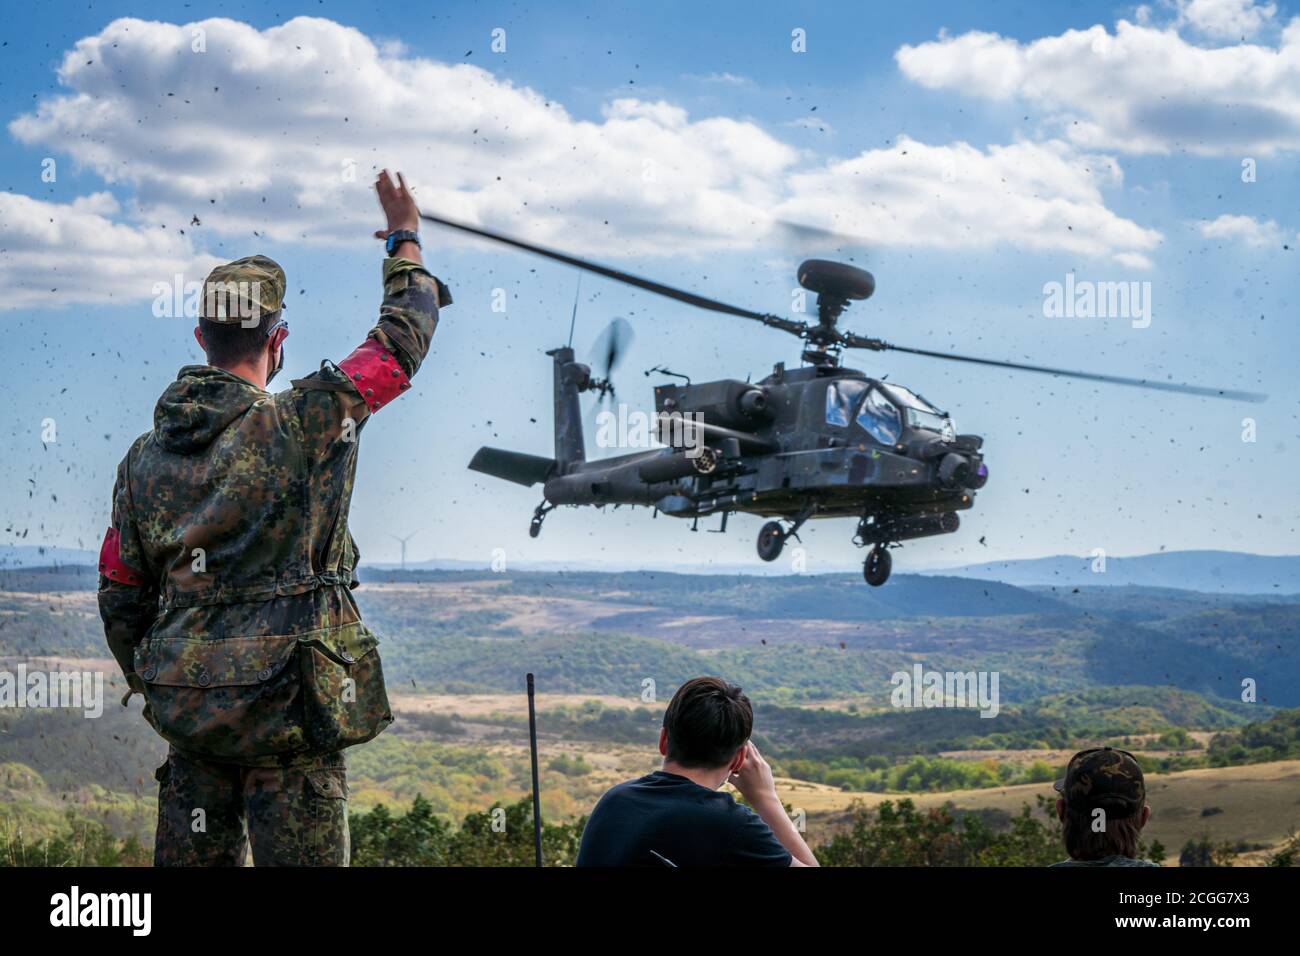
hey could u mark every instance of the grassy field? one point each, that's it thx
(485, 705)
(1257, 804)
(1153, 671)
(476, 754)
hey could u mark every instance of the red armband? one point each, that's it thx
(376, 374)
(111, 564)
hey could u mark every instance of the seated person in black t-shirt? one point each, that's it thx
(676, 816)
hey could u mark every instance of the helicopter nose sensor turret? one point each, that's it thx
(956, 470)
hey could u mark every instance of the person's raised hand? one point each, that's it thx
(398, 205)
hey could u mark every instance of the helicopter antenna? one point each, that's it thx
(664, 371)
(574, 320)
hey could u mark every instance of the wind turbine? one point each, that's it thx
(403, 541)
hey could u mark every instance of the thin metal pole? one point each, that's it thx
(537, 797)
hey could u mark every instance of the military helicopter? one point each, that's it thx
(819, 441)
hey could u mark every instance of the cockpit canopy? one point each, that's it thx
(883, 409)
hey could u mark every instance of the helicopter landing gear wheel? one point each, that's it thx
(771, 539)
(539, 515)
(877, 566)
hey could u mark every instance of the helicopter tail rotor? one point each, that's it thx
(607, 354)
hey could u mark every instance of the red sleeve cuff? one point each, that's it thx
(111, 564)
(375, 374)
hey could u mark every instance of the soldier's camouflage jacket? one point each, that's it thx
(225, 578)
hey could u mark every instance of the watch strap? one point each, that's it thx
(398, 236)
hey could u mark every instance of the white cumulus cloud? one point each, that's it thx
(1141, 89)
(1245, 229)
(1226, 19)
(56, 254)
(279, 132)
(1025, 195)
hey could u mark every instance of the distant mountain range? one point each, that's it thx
(37, 556)
(1214, 572)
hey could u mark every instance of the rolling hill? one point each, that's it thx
(1213, 572)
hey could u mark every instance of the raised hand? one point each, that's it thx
(398, 204)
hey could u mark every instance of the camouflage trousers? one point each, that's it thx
(209, 814)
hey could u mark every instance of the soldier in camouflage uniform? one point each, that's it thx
(225, 577)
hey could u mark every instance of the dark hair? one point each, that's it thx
(707, 721)
(229, 343)
(1083, 843)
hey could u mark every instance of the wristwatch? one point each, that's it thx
(398, 236)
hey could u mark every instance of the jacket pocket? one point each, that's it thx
(343, 695)
(229, 699)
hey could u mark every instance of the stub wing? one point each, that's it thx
(512, 465)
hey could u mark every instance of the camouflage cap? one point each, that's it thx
(243, 290)
(1105, 778)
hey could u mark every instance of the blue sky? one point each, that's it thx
(977, 152)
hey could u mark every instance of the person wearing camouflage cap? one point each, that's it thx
(1103, 808)
(226, 573)
(247, 294)
(243, 291)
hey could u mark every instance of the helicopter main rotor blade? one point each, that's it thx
(832, 337)
(649, 285)
(855, 341)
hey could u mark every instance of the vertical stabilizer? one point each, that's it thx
(570, 378)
